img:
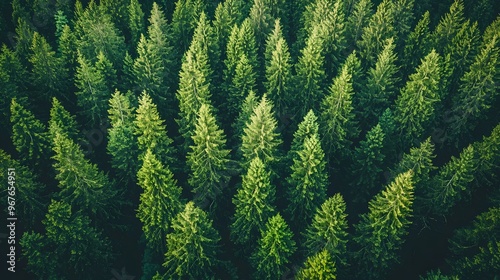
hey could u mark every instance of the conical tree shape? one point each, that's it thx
(357, 21)
(208, 159)
(449, 25)
(192, 245)
(184, 18)
(261, 20)
(307, 128)
(254, 203)
(160, 201)
(275, 248)
(328, 230)
(318, 266)
(417, 45)
(150, 131)
(135, 21)
(380, 233)
(260, 138)
(246, 110)
(62, 122)
(243, 81)
(29, 135)
(308, 182)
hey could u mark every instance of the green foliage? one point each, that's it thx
(260, 137)
(275, 248)
(488, 156)
(184, 19)
(192, 245)
(417, 45)
(415, 106)
(380, 89)
(160, 201)
(380, 233)
(77, 248)
(62, 122)
(278, 71)
(319, 266)
(449, 25)
(307, 128)
(208, 159)
(29, 135)
(367, 166)
(243, 81)
(436, 275)
(328, 230)
(151, 132)
(254, 203)
(308, 181)
(246, 110)
(82, 184)
(452, 183)
(136, 21)
(357, 21)
(61, 21)
(122, 143)
(12, 74)
(261, 21)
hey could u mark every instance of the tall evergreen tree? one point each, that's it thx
(244, 80)
(328, 230)
(135, 21)
(159, 202)
(184, 19)
(62, 122)
(11, 83)
(417, 44)
(318, 266)
(260, 138)
(68, 235)
(308, 181)
(415, 106)
(357, 21)
(151, 132)
(208, 158)
(192, 245)
(246, 109)
(449, 25)
(307, 128)
(381, 231)
(29, 136)
(254, 203)
(261, 20)
(275, 248)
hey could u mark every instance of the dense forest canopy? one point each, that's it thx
(284, 139)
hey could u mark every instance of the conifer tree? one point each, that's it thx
(92, 91)
(151, 132)
(62, 122)
(204, 41)
(11, 83)
(307, 128)
(318, 266)
(380, 90)
(310, 74)
(244, 80)
(29, 135)
(208, 158)
(184, 19)
(278, 71)
(488, 156)
(192, 245)
(417, 44)
(67, 50)
(261, 20)
(82, 184)
(275, 248)
(260, 138)
(328, 230)
(122, 143)
(452, 183)
(403, 11)
(68, 235)
(357, 21)
(246, 110)
(308, 181)
(380, 233)
(449, 25)
(367, 166)
(159, 202)
(337, 117)
(254, 203)
(135, 21)
(104, 65)
(379, 28)
(415, 106)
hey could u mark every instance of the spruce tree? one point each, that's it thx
(68, 235)
(151, 132)
(357, 21)
(208, 159)
(159, 202)
(135, 21)
(11, 83)
(261, 21)
(417, 44)
(381, 231)
(448, 26)
(254, 203)
(328, 230)
(184, 19)
(415, 106)
(260, 137)
(244, 81)
(318, 266)
(308, 181)
(192, 245)
(62, 122)
(307, 128)
(246, 110)
(29, 136)
(275, 249)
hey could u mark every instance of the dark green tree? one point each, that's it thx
(381, 231)
(244, 81)
(159, 202)
(417, 44)
(261, 20)
(275, 249)
(318, 266)
(29, 136)
(208, 159)
(260, 137)
(308, 181)
(448, 26)
(246, 110)
(415, 106)
(307, 128)
(254, 203)
(136, 24)
(12, 84)
(184, 19)
(68, 236)
(357, 21)
(328, 230)
(192, 245)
